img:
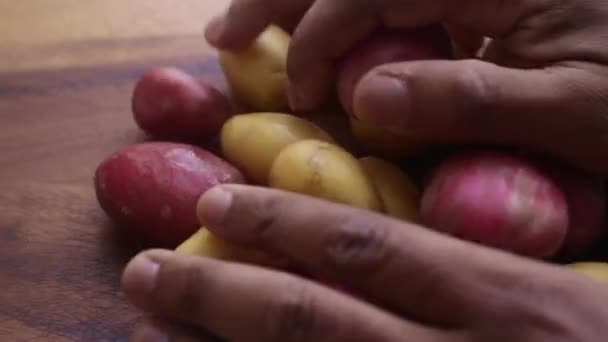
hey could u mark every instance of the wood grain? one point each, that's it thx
(65, 86)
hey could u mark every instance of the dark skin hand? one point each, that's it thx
(542, 84)
(421, 285)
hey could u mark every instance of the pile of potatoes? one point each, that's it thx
(505, 199)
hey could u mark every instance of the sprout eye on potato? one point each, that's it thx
(257, 74)
(252, 141)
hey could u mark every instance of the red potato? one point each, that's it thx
(151, 190)
(388, 46)
(169, 103)
(497, 200)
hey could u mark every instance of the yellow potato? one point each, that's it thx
(383, 142)
(593, 269)
(399, 195)
(252, 141)
(323, 170)
(257, 73)
(203, 243)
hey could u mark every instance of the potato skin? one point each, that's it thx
(252, 141)
(499, 200)
(594, 269)
(398, 193)
(326, 171)
(170, 104)
(150, 190)
(204, 243)
(257, 74)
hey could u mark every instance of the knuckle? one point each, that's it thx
(357, 245)
(265, 215)
(525, 299)
(256, 217)
(477, 94)
(295, 315)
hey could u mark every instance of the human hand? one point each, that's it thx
(421, 285)
(542, 84)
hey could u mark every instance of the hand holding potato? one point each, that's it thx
(410, 281)
(541, 83)
(419, 281)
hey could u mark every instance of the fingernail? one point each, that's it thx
(139, 280)
(213, 206)
(214, 30)
(150, 333)
(383, 100)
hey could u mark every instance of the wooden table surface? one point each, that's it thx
(67, 69)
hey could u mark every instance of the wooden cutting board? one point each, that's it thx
(67, 70)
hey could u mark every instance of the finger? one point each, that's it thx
(556, 110)
(331, 27)
(159, 330)
(410, 269)
(245, 303)
(246, 19)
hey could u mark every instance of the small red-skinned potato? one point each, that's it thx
(383, 47)
(498, 200)
(151, 190)
(170, 104)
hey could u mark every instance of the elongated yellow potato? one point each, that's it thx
(323, 170)
(257, 73)
(594, 269)
(385, 143)
(398, 193)
(252, 141)
(203, 243)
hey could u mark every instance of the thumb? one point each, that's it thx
(460, 101)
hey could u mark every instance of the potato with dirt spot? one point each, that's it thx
(398, 193)
(257, 74)
(253, 141)
(151, 189)
(323, 170)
